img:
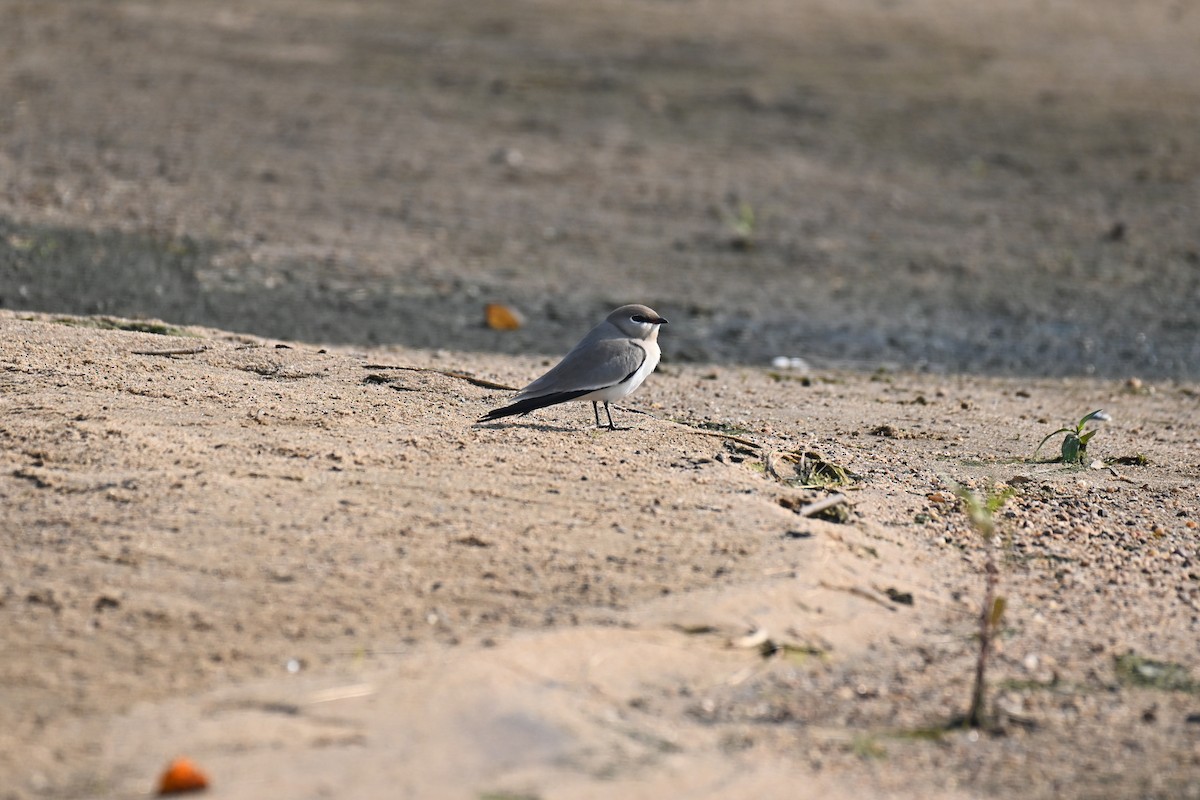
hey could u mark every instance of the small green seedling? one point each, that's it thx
(1074, 446)
(981, 512)
(744, 226)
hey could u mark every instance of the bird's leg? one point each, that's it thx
(596, 411)
(607, 410)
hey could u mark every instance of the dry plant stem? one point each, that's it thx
(821, 505)
(183, 351)
(858, 592)
(980, 513)
(977, 715)
(716, 434)
(462, 376)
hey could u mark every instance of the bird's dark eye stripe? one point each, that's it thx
(639, 318)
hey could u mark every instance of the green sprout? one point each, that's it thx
(1074, 446)
(744, 226)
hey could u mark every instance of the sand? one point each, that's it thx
(248, 517)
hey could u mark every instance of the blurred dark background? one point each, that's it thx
(936, 185)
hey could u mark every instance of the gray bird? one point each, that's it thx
(607, 364)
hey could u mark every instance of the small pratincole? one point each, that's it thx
(607, 364)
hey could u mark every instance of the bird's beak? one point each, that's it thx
(660, 321)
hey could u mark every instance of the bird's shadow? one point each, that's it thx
(542, 426)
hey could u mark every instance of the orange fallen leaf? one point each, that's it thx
(502, 318)
(182, 775)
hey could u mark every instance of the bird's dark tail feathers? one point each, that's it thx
(532, 404)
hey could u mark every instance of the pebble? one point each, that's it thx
(790, 362)
(508, 156)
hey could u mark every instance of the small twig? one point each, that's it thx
(462, 376)
(340, 693)
(857, 592)
(727, 436)
(182, 351)
(692, 428)
(820, 505)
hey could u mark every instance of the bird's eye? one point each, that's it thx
(638, 318)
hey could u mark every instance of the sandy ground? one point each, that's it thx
(541, 608)
(267, 534)
(921, 183)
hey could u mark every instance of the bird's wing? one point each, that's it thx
(590, 366)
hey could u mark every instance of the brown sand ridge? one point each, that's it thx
(266, 533)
